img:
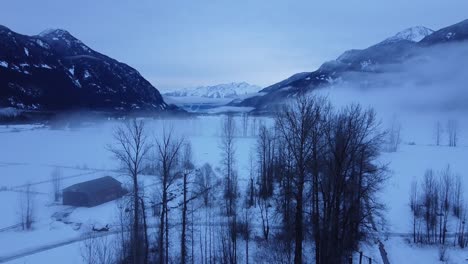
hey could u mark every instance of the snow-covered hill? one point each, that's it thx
(225, 90)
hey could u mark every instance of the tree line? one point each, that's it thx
(313, 185)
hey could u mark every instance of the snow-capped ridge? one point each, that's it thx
(226, 90)
(413, 34)
(54, 32)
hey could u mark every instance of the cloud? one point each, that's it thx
(434, 80)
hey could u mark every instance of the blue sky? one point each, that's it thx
(182, 43)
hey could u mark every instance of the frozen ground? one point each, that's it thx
(30, 153)
(200, 104)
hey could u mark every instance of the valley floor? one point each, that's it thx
(29, 154)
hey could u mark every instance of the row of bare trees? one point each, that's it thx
(451, 131)
(314, 171)
(177, 185)
(313, 181)
(433, 201)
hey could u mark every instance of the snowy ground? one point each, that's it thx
(30, 153)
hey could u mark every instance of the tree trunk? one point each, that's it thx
(298, 227)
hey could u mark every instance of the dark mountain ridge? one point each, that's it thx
(366, 62)
(54, 71)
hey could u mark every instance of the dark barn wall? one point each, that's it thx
(75, 198)
(105, 196)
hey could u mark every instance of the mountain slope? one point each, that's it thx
(368, 63)
(226, 90)
(56, 71)
(453, 33)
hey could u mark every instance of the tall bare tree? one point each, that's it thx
(187, 170)
(351, 179)
(457, 196)
(131, 149)
(27, 210)
(438, 131)
(394, 137)
(265, 152)
(452, 132)
(227, 147)
(296, 124)
(430, 203)
(446, 193)
(416, 209)
(168, 149)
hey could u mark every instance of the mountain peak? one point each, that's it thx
(55, 71)
(55, 33)
(2, 27)
(413, 34)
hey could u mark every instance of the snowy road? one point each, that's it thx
(32, 251)
(35, 250)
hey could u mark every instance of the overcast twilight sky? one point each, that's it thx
(179, 43)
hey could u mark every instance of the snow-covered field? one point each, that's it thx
(208, 105)
(29, 154)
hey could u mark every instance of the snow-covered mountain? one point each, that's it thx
(363, 65)
(226, 90)
(55, 71)
(413, 34)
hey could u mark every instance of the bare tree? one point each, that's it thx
(295, 124)
(98, 250)
(452, 132)
(394, 132)
(446, 184)
(460, 238)
(264, 205)
(227, 147)
(187, 170)
(265, 152)
(131, 149)
(168, 150)
(416, 210)
(430, 203)
(251, 191)
(457, 196)
(438, 131)
(56, 177)
(205, 180)
(27, 211)
(245, 228)
(352, 178)
(123, 249)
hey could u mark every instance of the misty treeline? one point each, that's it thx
(450, 131)
(309, 194)
(444, 134)
(438, 209)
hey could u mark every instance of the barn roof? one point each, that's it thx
(94, 186)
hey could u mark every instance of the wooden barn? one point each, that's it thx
(93, 192)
